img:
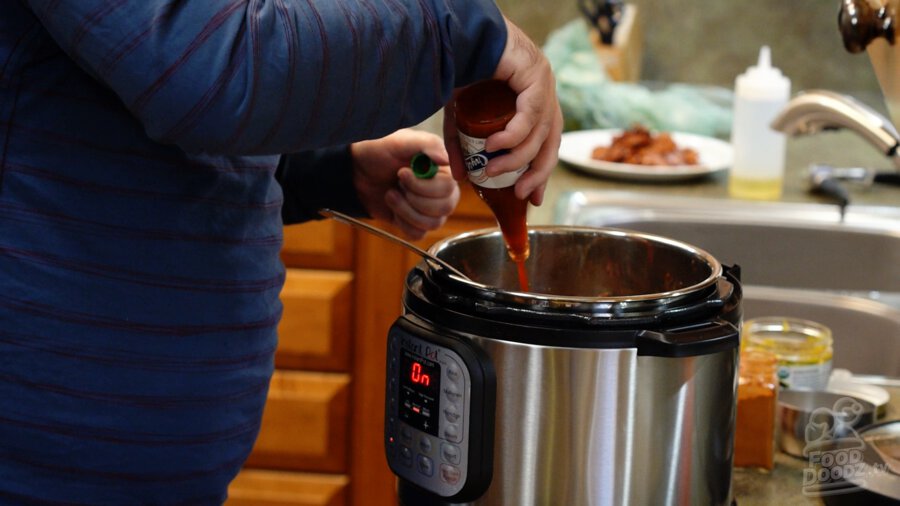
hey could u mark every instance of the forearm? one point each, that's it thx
(314, 179)
(274, 76)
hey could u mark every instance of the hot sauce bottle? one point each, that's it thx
(482, 109)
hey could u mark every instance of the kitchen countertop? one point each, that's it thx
(784, 483)
(840, 149)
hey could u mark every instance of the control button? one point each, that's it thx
(454, 373)
(425, 465)
(406, 456)
(450, 453)
(452, 433)
(425, 444)
(452, 392)
(450, 474)
(451, 413)
(406, 435)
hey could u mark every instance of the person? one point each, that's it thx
(150, 153)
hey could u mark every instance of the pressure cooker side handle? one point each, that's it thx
(733, 272)
(701, 339)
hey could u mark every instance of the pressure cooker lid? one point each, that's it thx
(583, 271)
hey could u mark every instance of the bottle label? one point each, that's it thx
(809, 376)
(476, 159)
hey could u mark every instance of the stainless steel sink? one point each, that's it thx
(796, 260)
(776, 244)
(866, 332)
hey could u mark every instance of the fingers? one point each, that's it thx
(410, 223)
(421, 205)
(533, 135)
(441, 187)
(536, 136)
(533, 182)
(415, 141)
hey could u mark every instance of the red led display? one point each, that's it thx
(420, 384)
(419, 377)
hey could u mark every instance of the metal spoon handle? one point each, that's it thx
(343, 218)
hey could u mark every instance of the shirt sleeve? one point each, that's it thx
(315, 179)
(250, 77)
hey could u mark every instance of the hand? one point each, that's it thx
(391, 192)
(534, 133)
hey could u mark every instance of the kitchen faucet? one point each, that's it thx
(817, 110)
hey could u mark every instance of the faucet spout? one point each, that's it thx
(817, 110)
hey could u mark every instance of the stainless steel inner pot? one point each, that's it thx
(580, 269)
(584, 263)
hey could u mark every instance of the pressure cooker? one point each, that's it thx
(611, 382)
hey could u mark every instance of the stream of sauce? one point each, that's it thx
(510, 213)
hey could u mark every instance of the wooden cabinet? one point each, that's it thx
(304, 424)
(315, 327)
(318, 244)
(278, 488)
(301, 456)
(321, 442)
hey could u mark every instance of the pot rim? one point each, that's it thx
(570, 301)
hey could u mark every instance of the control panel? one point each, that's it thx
(438, 425)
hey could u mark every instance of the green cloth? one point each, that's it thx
(590, 99)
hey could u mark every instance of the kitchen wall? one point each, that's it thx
(710, 42)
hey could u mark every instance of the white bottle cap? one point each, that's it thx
(763, 81)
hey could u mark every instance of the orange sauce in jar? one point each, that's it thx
(481, 110)
(754, 437)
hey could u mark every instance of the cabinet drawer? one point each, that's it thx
(323, 244)
(255, 487)
(304, 425)
(315, 326)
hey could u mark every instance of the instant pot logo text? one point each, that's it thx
(835, 451)
(419, 348)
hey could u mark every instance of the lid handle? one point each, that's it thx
(704, 339)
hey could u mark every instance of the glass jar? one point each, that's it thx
(803, 349)
(754, 435)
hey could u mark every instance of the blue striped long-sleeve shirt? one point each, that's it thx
(141, 215)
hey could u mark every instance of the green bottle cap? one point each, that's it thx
(422, 166)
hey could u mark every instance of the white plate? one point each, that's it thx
(715, 155)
